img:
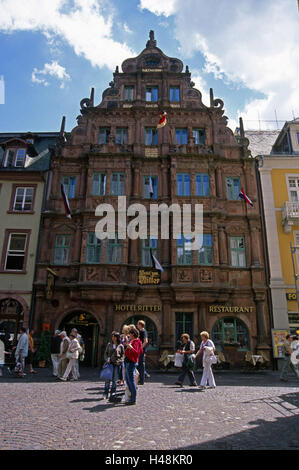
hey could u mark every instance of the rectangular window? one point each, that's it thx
(114, 255)
(184, 251)
(93, 248)
(205, 252)
(62, 249)
(9, 158)
(183, 184)
(118, 184)
(20, 158)
(23, 199)
(98, 184)
(69, 183)
(233, 188)
(151, 93)
(150, 187)
(150, 136)
(147, 245)
(103, 137)
(199, 136)
(181, 136)
(174, 94)
(202, 184)
(14, 157)
(15, 254)
(294, 189)
(121, 135)
(183, 324)
(237, 252)
(128, 93)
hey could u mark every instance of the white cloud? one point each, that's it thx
(54, 70)
(83, 24)
(166, 8)
(249, 42)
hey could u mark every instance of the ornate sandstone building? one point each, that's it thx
(117, 150)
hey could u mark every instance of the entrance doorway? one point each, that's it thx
(88, 328)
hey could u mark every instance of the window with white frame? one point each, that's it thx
(14, 158)
(15, 254)
(293, 184)
(23, 200)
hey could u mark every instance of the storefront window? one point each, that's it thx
(150, 328)
(183, 324)
(230, 332)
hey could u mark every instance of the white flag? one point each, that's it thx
(30, 160)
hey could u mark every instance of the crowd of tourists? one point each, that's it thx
(125, 369)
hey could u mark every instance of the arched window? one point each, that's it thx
(230, 331)
(150, 328)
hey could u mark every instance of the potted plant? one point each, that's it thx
(43, 355)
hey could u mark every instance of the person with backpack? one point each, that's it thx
(114, 355)
(132, 353)
(55, 350)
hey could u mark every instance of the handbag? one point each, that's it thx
(106, 372)
(70, 355)
(178, 361)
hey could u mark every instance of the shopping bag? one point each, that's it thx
(106, 372)
(178, 360)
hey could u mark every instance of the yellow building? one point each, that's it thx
(279, 176)
(22, 195)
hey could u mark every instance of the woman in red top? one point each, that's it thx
(132, 353)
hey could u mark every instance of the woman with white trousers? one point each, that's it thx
(207, 347)
(72, 354)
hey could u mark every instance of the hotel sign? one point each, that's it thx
(148, 277)
(227, 309)
(137, 308)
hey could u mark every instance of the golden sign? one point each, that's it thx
(149, 277)
(227, 309)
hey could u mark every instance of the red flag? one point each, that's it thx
(65, 203)
(244, 196)
(163, 120)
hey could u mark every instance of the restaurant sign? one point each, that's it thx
(149, 277)
(228, 309)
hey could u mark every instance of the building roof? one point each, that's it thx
(261, 142)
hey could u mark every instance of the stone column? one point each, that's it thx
(215, 245)
(255, 247)
(222, 245)
(260, 322)
(219, 183)
(167, 333)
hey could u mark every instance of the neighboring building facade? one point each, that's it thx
(279, 172)
(21, 194)
(116, 150)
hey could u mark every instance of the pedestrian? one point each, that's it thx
(31, 352)
(63, 360)
(21, 351)
(287, 364)
(132, 353)
(124, 339)
(55, 351)
(207, 348)
(81, 343)
(2, 356)
(188, 350)
(144, 340)
(114, 355)
(72, 354)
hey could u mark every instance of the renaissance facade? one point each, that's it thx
(117, 150)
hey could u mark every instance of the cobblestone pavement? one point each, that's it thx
(245, 411)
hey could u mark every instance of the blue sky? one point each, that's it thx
(53, 51)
